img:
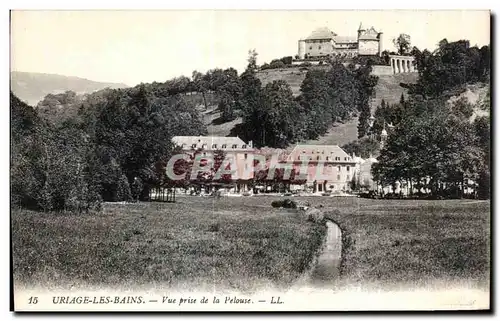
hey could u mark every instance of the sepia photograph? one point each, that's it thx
(250, 160)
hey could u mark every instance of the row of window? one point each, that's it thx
(319, 41)
(319, 158)
(339, 168)
(245, 156)
(214, 146)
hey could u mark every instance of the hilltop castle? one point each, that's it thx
(323, 43)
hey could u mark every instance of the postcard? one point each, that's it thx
(211, 160)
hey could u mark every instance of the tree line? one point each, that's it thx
(438, 146)
(106, 152)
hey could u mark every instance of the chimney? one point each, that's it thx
(250, 144)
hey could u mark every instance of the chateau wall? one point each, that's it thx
(319, 48)
(382, 70)
(368, 47)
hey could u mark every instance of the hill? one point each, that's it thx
(389, 88)
(31, 87)
(478, 95)
(293, 76)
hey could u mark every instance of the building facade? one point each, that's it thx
(324, 43)
(326, 168)
(236, 150)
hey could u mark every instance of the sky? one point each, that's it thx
(143, 46)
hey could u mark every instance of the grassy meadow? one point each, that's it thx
(245, 244)
(415, 243)
(196, 243)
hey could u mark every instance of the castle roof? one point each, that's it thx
(370, 34)
(321, 33)
(341, 39)
(333, 152)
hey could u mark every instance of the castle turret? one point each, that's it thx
(361, 29)
(380, 40)
(302, 49)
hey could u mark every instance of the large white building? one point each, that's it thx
(329, 167)
(241, 152)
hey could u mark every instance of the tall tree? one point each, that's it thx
(402, 43)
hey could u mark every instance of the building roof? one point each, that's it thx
(368, 37)
(370, 34)
(334, 153)
(342, 39)
(321, 33)
(206, 142)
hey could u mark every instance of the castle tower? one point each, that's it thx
(302, 49)
(380, 40)
(361, 29)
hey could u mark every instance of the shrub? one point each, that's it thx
(276, 204)
(287, 203)
(287, 60)
(315, 215)
(275, 64)
(265, 66)
(215, 227)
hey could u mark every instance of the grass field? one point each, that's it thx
(401, 243)
(197, 243)
(239, 243)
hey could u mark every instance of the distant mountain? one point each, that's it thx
(32, 87)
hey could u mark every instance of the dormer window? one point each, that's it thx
(327, 158)
(337, 158)
(235, 146)
(318, 158)
(214, 146)
(224, 146)
(204, 146)
(193, 146)
(243, 146)
(183, 146)
(346, 158)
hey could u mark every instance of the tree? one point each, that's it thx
(450, 66)
(402, 43)
(363, 147)
(252, 60)
(432, 148)
(200, 84)
(363, 126)
(274, 112)
(49, 164)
